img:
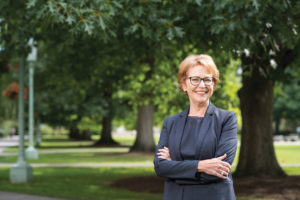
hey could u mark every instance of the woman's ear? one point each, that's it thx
(184, 88)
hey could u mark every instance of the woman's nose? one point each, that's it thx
(201, 84)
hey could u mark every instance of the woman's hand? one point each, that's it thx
(164, 153)
(215, 166)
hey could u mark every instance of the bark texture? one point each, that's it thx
(257, 156)
(106, 133)
(144, 140)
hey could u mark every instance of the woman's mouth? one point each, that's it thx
(201, 92)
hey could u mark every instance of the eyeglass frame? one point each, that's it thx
(202, 79)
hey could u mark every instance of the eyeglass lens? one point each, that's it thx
(197, 80)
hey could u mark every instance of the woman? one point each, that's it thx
(197, 146)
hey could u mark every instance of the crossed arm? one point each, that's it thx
(209, 170)
(213, 166)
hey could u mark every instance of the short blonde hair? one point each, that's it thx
(197, 60)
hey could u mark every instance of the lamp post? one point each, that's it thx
(31, 152)
(21, 172)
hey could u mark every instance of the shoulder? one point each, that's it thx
(224, 115)
(171, 119)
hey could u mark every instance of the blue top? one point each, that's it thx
(189, 138)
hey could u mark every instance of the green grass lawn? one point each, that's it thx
(86, 183)
(93, 183)
(78, 183)
(87, 157)
(288, 154)
(285, 153)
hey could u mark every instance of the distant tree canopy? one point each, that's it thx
(140, 44)
(286, 99)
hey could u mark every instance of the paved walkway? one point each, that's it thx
(8, 142)
(144, 164)
(60, 151)
(16, 196)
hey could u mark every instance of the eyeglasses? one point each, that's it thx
(196, 80)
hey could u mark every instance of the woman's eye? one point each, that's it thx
(207, 80)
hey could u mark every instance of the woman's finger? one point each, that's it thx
(222, 157)
(223, 174)
(226, 164)
(219, 174)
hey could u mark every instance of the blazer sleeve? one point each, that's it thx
(170, 168)
(227, 144)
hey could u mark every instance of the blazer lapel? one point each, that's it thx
(204, 129)
(178, 132)
(175, 142)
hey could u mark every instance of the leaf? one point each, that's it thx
(70, 19)
(102, 23)
(255, 4)
(132, 28)
(117, 4)
(199, 2)
(30, 4)
(88, 28)
(51, 7)
(170, 34)
(179, 31)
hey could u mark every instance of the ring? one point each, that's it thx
(222, 173)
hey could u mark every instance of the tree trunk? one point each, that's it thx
(144, 140)
(106, 137)
(74, 133)
(257, 156)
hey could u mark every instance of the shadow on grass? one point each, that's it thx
(286, 188)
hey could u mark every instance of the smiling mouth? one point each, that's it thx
(201, 92)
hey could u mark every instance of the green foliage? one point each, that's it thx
(5, 127)
(87, 123)
(17, 25)
(101, 56)
(84, 84)
(226, 94)
(145, 33)
(78, 16)
(287, 97)
(264, 32)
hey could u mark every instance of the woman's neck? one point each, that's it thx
(198, 109)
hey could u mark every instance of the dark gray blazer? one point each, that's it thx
(217, 136)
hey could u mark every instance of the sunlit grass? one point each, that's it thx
(88, 157)
(285, 153)
(86, 183)
(288, 153)
(79, 183)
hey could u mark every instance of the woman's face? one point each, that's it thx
(198, 90)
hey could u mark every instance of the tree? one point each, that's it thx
(148, 30)
(150, 27)
(265, 36)
(84, 83)
(147, 24)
